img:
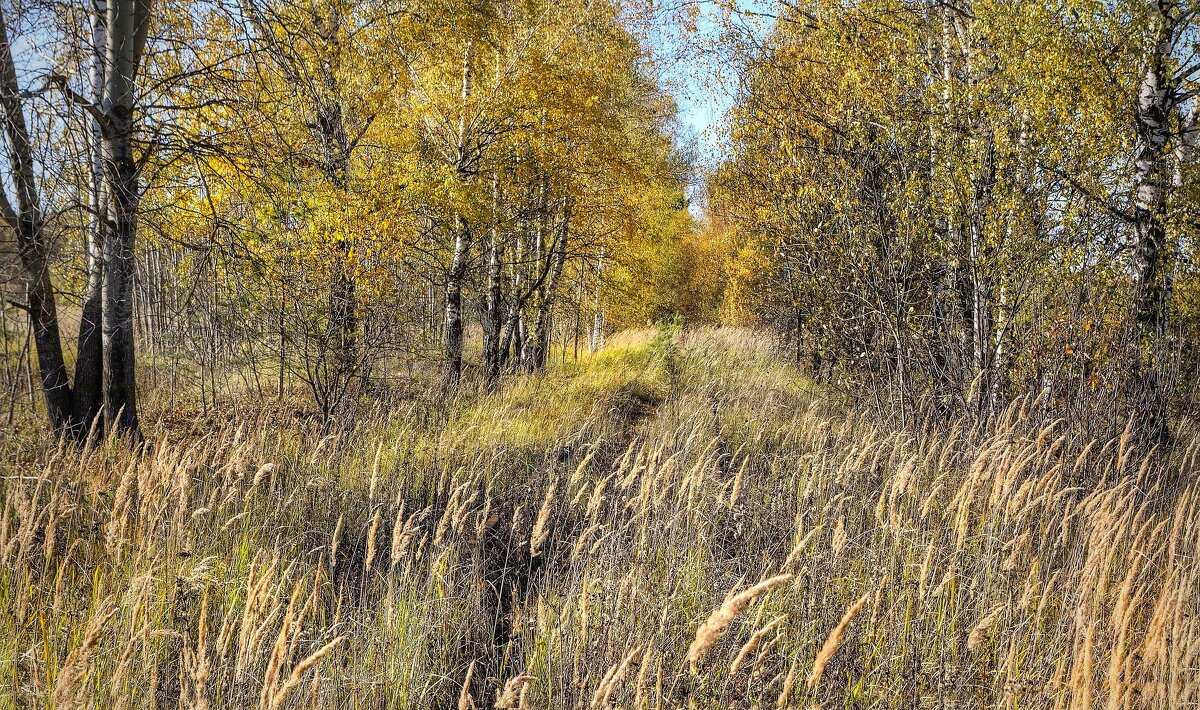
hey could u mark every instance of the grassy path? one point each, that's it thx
(674, 521)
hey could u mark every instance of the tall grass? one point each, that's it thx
(680, 521)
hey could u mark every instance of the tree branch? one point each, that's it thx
(1086, 192)
(74, 97)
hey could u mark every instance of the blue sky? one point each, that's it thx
(701, 112)
(695, 70)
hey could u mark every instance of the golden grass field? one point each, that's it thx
(681, 520)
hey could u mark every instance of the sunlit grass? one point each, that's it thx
(591, 398)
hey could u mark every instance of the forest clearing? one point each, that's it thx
(599, 354)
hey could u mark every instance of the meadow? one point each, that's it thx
(680, 520)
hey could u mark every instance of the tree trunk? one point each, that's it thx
(520, 340)
(517, 301)
(342, 329)
(539, 343)
(596, 340)
(26, 221)
(454, 289)
(492, 304)
(1149, 209)
(120, 385)
(509, 353)
(89, 361)
(1156, 101)
(462, 237)
(127, 24)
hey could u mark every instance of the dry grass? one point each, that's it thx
(572, 564)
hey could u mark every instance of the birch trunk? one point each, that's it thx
(462, 240)
(454, 289)
(89, 363)
(127, 24)
(492, 303)
(540, 340)
(1151, 179)
(1156, 101)
(596, 340)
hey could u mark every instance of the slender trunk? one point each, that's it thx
(343, 306)
(454, 289)
(901, 376)
(1000, 374)
(596, 341)
(799, 340)
(516, 302)
(462, 237)
(26, 221)
(577, 329)
(540, 340)
(507, 337)
(983, 179)
(519, 338)
(282, 341)
(492, 306)
(89, 362)
(526, 354)
(343, 313)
